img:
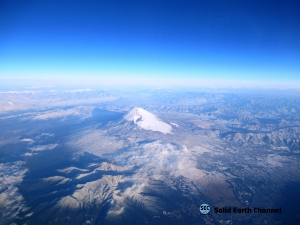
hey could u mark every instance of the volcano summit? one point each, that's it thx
(146, 120)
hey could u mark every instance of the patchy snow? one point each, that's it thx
(147, 120)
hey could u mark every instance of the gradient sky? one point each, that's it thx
(232, 41)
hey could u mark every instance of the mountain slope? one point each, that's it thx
(146, 120)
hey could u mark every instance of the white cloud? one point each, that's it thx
(24, 100)
(47, 134)
(95, 141)
(174, 124)
(154, 160)
(156, 157)
(28, 154)
(116, 211)
(27, 140)
(19, 92)
(43, 147)
(79, 90)
(11, 201)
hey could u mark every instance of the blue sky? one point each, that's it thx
(255, 42)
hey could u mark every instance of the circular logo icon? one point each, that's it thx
(204, 209)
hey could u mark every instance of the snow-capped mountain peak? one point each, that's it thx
(147, 121)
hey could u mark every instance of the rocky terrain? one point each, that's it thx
(153, 158)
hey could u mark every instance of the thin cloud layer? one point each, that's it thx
(11, 201)
(24, 100)
(80, 111)
(43, 147)
(154, 160)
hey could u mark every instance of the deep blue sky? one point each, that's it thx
(249, 41)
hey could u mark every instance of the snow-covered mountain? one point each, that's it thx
(146, 120)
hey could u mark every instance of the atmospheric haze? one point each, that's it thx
(139, 112)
